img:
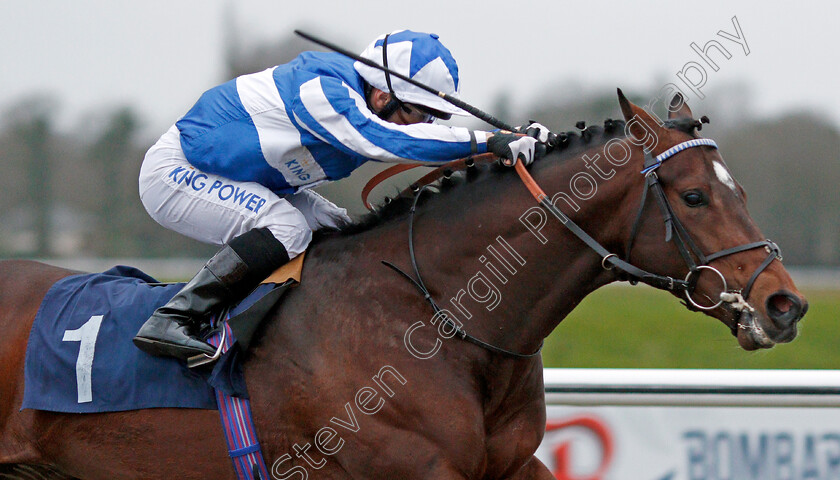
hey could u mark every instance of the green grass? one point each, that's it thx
(639, 327)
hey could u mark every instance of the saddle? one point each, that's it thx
(290, 271)
(248, 314)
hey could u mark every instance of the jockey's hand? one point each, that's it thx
(510, 147)
(535, 130)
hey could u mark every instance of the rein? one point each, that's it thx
(686, 246)
(421, 286)
(444, 171)
(684, 242)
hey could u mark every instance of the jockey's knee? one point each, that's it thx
(294, 239)
(289, 226)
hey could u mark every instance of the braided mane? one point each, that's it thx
(568, 145)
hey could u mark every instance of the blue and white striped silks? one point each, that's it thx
(304, 123)
(419, 56)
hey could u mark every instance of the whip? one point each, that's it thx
(481, 115)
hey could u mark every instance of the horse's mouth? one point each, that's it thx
(752, 335)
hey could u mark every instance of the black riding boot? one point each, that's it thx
(227, 277)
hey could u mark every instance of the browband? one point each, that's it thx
(677, 149)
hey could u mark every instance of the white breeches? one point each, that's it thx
(215, 209)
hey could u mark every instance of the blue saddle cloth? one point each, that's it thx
(80, 357)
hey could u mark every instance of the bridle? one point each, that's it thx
(686, 246)
(737, 299)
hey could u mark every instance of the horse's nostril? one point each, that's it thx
(781, 303)
(784, 309)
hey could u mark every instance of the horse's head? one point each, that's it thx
(731, 271)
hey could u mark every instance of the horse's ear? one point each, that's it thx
(631, 112)
(678, 108)
(626, 106)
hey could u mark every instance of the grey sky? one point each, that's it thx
(159, 55)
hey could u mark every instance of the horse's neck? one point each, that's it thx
(494, 274)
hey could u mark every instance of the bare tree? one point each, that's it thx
(30, 128)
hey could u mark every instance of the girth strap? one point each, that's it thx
(238, 424)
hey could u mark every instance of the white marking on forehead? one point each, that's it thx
(724, 176)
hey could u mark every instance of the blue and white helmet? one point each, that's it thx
(421, 57)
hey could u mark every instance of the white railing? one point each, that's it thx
(690, 387)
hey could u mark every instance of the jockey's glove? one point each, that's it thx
(535, 130)
(511, 147)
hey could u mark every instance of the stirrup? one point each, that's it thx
(203, 358)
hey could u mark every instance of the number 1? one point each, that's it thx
(86, 334)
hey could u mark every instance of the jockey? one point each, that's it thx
(237, 169)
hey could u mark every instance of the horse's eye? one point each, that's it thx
(695, 198)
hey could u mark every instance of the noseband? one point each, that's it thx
(685, 244)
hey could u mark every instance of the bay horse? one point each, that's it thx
(355, 376)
